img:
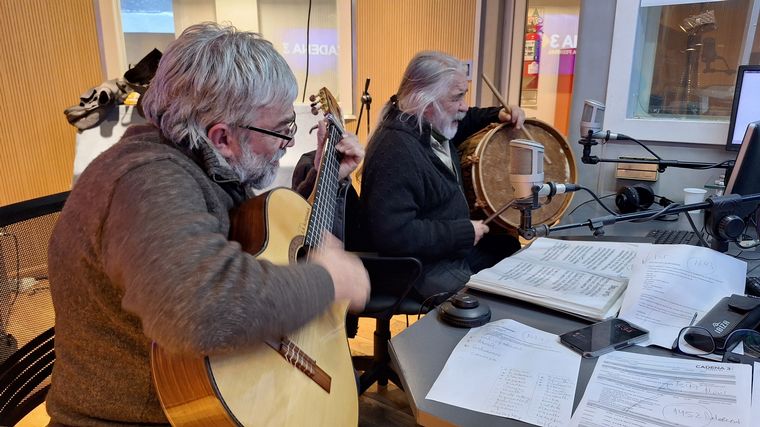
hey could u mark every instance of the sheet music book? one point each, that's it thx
(583, 278)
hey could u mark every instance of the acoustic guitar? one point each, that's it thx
(303, 379)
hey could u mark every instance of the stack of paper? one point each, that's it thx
(583, 278)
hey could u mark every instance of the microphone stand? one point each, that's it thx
(588, 159)
(724, 219)
(366, 100)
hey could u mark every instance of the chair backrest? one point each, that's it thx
(26, 308)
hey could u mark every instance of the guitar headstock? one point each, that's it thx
(325, 102)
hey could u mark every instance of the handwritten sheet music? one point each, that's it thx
(636, 390)
(511, 370)
(675, 281)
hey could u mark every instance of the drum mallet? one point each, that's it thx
(509, 110)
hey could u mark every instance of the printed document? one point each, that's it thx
(508, 369)
(674, 282)
(636, 390)
(585, 278)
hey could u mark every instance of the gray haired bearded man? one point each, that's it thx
(412, 203)
(140, 252)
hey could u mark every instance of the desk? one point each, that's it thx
(420, 352)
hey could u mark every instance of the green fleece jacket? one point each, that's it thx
(139, 254)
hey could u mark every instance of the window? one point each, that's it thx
(673, 67)
(147, 24)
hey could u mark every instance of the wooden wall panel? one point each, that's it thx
(390, 32)
(48, 56)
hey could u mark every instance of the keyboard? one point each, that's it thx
(674, 237)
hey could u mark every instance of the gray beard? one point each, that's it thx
(450, 130)
(254, 171)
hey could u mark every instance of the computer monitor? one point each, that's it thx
(746, 106)
(745, 176)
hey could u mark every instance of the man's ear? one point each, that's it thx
(222, 139)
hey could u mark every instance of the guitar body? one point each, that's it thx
(260, 387)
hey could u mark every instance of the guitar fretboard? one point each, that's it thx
(323, 210)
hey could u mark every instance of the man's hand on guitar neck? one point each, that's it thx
(352, 152)
(348, 274)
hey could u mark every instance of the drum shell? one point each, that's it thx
(485, 172)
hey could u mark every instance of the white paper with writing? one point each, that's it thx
(675, 281)
(510, 370)
(636, 390)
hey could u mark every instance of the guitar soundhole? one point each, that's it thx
(297, 251)
(301, 254)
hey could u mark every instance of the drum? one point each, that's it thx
(485, 169)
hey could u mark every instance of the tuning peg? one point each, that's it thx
(312, 98)
(314, 111)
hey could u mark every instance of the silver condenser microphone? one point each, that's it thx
(526, 166)
(591, 122)
(526, 170)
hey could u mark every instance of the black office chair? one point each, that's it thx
(391, 278)
(25, 378)
(26, 309)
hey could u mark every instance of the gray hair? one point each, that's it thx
(427, 79)
(211, 74)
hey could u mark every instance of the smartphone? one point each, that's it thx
(604, 337)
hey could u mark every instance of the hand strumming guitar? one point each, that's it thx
(349, 276)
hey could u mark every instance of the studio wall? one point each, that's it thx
(49, 51)
(389, 33)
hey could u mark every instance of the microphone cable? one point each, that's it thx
(589, 201)
(644, 146)
(308, 31)
(710, 166)
(699, 233)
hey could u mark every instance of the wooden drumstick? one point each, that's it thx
(509, 111)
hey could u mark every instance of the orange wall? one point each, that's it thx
(49, 55)
(390, 32)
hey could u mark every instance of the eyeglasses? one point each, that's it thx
(288, 136)
(698, 341)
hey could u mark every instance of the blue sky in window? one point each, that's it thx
(147, 16)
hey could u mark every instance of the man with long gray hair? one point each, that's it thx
(412, 202)
(141, 254)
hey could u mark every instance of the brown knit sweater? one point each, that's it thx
(140, 254)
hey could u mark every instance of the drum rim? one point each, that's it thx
(477, 174)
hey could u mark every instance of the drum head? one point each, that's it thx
(490, 173)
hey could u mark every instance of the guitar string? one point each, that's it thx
(323, 209)
(316, 222)
(324, 206)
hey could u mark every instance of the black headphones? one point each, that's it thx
(464, 311)
(637, 197)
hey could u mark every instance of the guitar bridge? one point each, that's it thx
(301, 361)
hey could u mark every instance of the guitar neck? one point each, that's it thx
(326, 188)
